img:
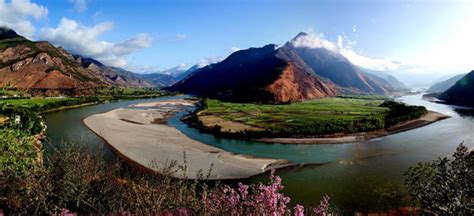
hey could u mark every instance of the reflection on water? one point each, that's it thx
(353, 174)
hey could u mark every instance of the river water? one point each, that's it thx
(354, 175)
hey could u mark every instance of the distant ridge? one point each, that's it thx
(461, 93)
(42, 69)
(266, 75)
(288, 73)
(445, 85)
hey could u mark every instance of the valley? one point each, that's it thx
(236, 108)
(359, 168)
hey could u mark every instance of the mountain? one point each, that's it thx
(112, 75)
(175, 71)
(42, 69)
(445, 85)
(391, 81)
(159, 79)
(170, 76)
(284, 74)
(189, 71)
(461, 93)
(166, 77)
(333, 66)
(7, 33)
(266, 75)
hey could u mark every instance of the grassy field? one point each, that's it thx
(315, 117)
(29, 102)
(295, 114)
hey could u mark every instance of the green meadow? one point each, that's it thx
(314, 117)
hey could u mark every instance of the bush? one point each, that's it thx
(76, 180)
(30, 121)
(444, 186)
(400, 112)
(17, 153)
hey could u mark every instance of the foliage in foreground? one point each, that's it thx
(17, 154)
(76, 180)
(444, 186)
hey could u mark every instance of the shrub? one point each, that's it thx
(444, 186)
(400, 112)
(74, 179)
(17, 153)
(30, 121)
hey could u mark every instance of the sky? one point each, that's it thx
(411, 38)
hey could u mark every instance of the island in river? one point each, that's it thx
(322, 121)
(142, 137)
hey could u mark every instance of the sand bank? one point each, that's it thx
(135, 136)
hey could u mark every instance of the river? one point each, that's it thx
(354, 175)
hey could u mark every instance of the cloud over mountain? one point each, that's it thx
(84, 40)
(17, 14)
(343, 47)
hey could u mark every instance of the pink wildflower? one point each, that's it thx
(298, 210)
(323, 206)
(65, 212)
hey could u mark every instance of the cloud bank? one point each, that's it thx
(344, 47)
(209, 60)
(17, 14)
(84, 40)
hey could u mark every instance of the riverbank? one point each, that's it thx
(141, 137)
(429, 118)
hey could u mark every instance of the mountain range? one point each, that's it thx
(42, 69)
(269, 74)
(461, 93)
(446, 84)
(281, 74)
(170, 76)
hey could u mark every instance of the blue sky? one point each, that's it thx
(418, 36)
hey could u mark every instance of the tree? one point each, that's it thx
(444, 186)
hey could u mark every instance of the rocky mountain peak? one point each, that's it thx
(7, 33)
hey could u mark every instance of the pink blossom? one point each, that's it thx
(298, 210)
(323, 206)
(261, 199)
(65, 212)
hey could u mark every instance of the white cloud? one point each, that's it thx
(344, 47)
(313, 41)
(354, 28)
(209, 60)
(80, 5)
(84, 40)
(180, 37)
(234, 49)
(131, 45)
(17, 15)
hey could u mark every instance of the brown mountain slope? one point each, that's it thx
(337, 68)
(264, 75)
(293, 84)
(113, 75)
(42, 69)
